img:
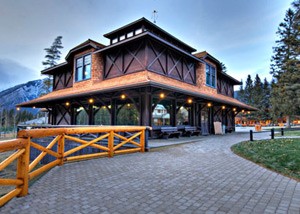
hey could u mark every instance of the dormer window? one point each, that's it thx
(115, 40)
(83, 68)
(210, 75)
(122, 37)
(130, 34)
(138, 31)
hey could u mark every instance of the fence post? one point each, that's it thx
(272, 133)
(23, 169)
(142, 140)
(61, 149)
(146, 139)
(111, 144)
(282, 132)
(251, 135)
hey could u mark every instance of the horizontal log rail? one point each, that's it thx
(109, 140)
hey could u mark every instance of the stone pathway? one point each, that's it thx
(201, 177)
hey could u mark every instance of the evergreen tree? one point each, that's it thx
(257, 98)
(241, 92)
(248, 91)
(52, 57)
(53, 53)
(224, 68)
(285, 67)
(266, 100)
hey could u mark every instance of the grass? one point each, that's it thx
(289, 133)
(280, 155)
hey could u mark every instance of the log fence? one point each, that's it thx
(112, 137)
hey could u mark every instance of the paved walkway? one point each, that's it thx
(201, 177)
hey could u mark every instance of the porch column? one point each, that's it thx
(113, 116)
(173, 113)
(91, 115)
(211, 120)
(146, 108)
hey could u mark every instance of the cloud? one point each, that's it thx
(13, 73)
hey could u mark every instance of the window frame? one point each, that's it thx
(83, 67)
(211, 73)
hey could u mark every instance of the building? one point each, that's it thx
(144, 68)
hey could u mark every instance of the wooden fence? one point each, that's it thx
(112, 136)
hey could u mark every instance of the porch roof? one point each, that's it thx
(134, 80)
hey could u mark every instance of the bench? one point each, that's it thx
(229, 129)
(189, 131)
(169, 131)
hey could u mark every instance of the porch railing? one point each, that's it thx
(113, 140)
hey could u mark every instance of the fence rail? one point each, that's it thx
(26, 170)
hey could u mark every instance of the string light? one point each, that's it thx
(91, 100)
(209, 104)
(223, 107)
(190, 101)
(162, 95)
(67, 103)
(123, 96)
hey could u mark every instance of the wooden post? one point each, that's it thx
(251, 135)
(272, 133)
(111, 144)
(23, 170)
(282, 132)
(61, 149)
(142, 141)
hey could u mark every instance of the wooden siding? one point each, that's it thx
(62, 80)
(149, 55)
(225, 87)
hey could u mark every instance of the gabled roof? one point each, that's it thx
(85, 44)
(153, 36)
(62, 66)
(149, 26)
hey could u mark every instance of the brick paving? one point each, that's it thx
(200, 177)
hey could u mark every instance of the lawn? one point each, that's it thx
(289, 133)
(280, 155)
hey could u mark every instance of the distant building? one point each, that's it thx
(145, 76)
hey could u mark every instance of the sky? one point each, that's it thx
(239, 33)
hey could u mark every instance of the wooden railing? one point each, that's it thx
(109, 140)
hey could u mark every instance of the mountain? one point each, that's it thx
(10, 97)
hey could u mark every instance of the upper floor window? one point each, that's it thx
(83, 68)
(210, 75)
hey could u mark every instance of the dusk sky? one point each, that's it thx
(240, 33)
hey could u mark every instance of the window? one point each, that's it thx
(138, 31)
(115, 40)
(122, 37)
(210, 75)
(130, 34)
(83, 68)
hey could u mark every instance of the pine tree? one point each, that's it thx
(266, 100)
(248, 91)
(258, 97)
(285, 67)
(53, 53)
(241, 92)
(52, 56)
(224, 68)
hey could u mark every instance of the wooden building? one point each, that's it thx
(144, 70)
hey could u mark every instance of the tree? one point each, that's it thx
(53, 53)
(241, 92)
(266, 100)
(52, 56)
(224, 68)
(285, 67)
(248, 92)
